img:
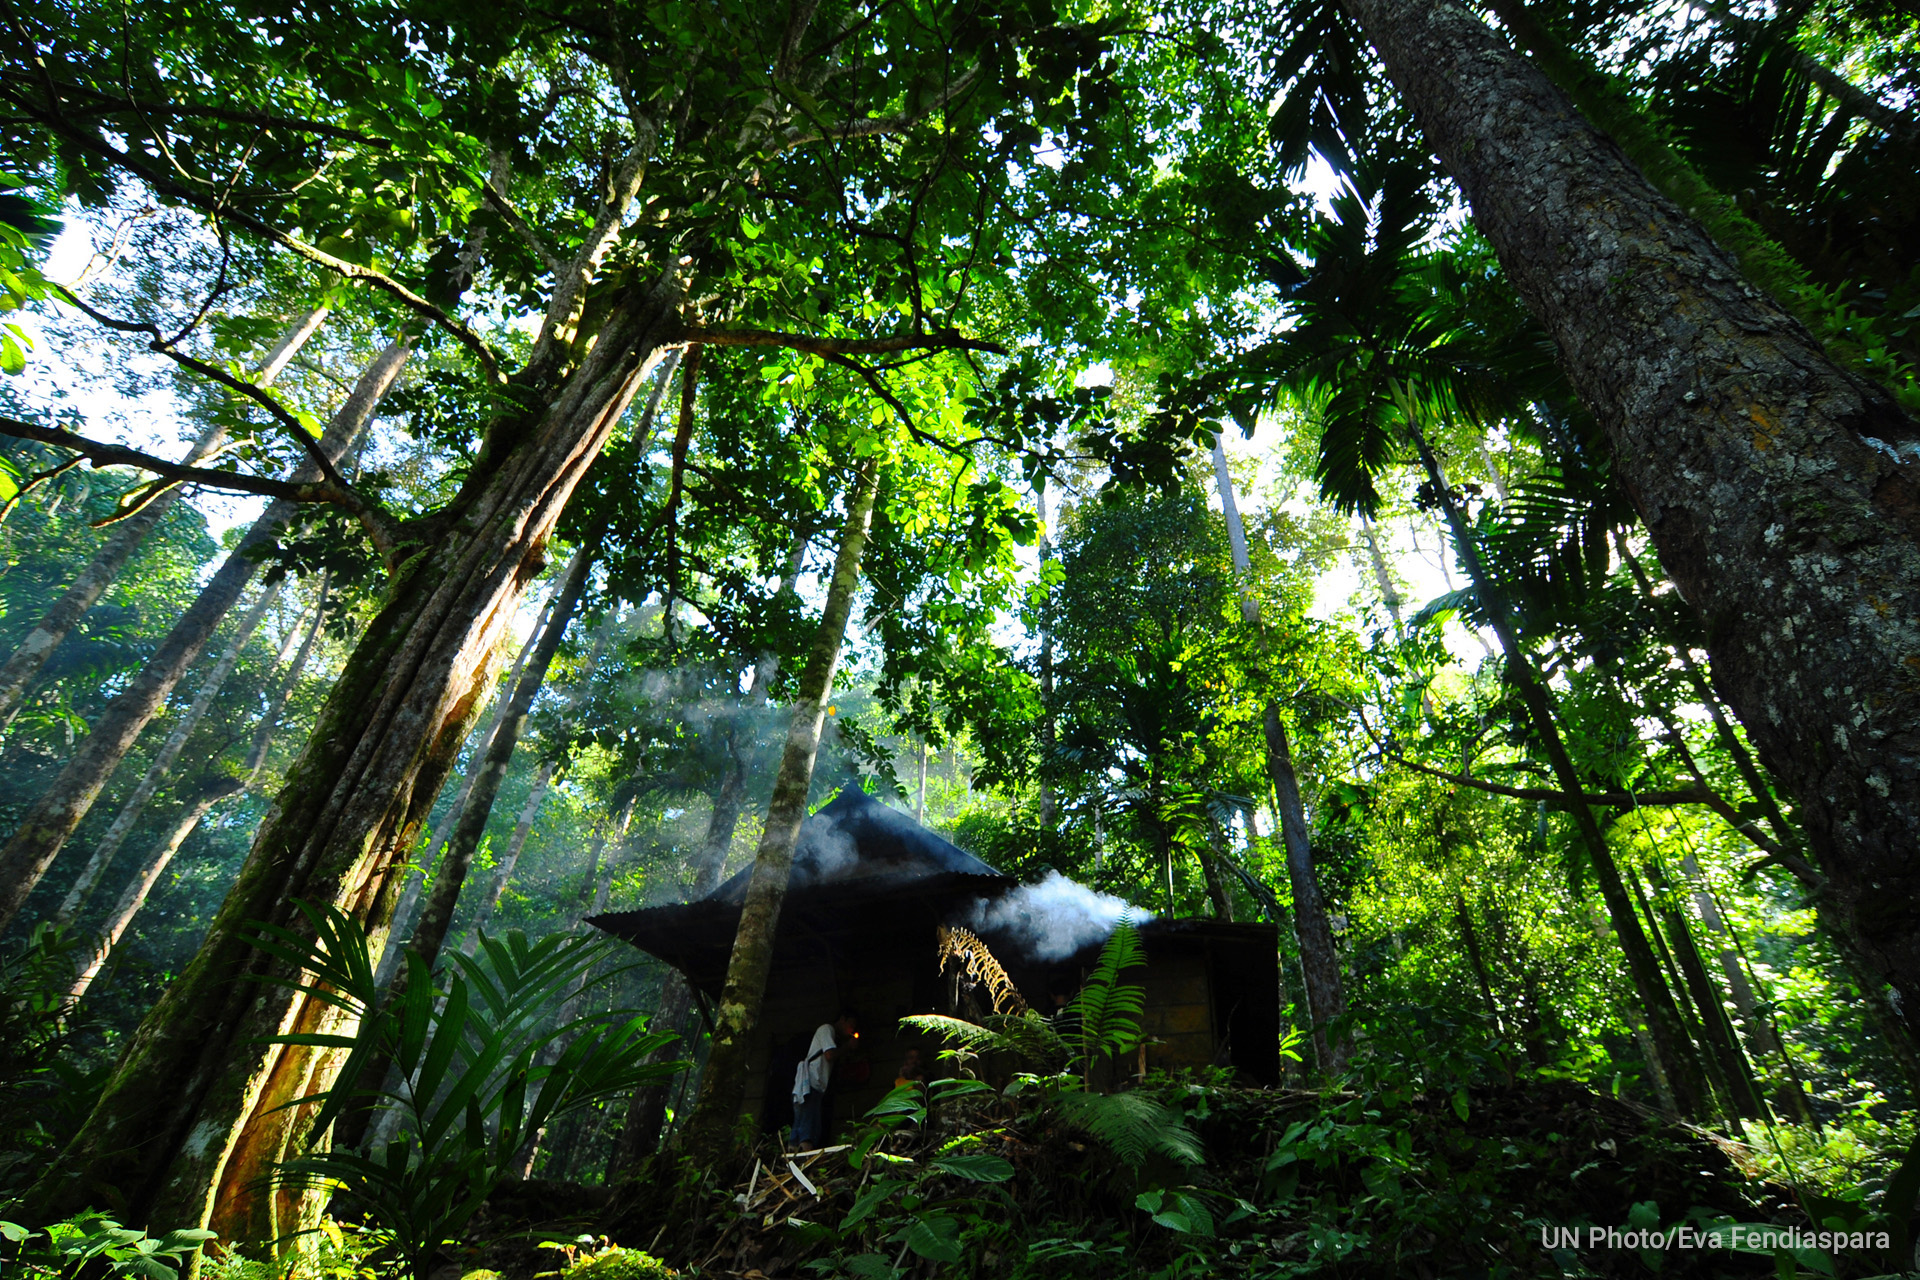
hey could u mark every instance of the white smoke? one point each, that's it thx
(829, 849)
(1052, 919)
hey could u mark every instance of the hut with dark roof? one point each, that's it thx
(870, 892)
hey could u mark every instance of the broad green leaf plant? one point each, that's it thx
(85, 1242)
(477, 1074)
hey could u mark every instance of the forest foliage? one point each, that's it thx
(1232, 540)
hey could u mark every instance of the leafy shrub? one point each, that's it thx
(66, 1249)
(482, 1068)
(620, 1264)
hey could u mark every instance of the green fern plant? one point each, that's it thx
(1107, 1011)
(476, 1080)
(1134, 1125)
(1103, 1021)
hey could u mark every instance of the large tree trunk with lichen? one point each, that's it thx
(409, 903)
(437, 917)
(57, 813)
(31, 654)
(1783, 493)
(192, 1122)
(724, 1083)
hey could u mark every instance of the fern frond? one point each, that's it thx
(1109, 1009)
(971, 1034)
(962, 946)
(1134, 1125)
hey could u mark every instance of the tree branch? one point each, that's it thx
(878, 126)
(937, 340)
(1614, 799)
(374, 520)
(164, 346)
(521, 227)
(107, 104)
(160, 180)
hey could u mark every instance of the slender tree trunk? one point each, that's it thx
(1690, 1018)
(1389, 594)
(503, 874)
(1664, 1022)
(1634, 1020)
(59, 810)
(1743, 1089)
(169, 752)
(127, 537)
(1313, 929)
(192, 1122)
(724, 1083)
(1764, 471)
(1471, 938)
(198, 799)
(647, 1108)
(1217, 890)
(1048, 728)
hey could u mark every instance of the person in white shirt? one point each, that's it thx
(811, 1118)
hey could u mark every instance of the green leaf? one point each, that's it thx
(870, 1200)
(935, 1237)
(976, 1168)
(871, 1266)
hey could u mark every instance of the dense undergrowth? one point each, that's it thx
(1379, 1182)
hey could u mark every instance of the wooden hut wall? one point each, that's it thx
(884, 985)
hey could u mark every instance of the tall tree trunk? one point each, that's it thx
(127, 537)
(1721, 1040)
(59, 810)
(1389, 593)
(1710, 1063)
(436, 918)
(1217, 890)
(1312, 927)
(1048, 728)
(196, 801)
(1470, 937)
(1664, 1023)
(192, 1122)
(516, 844)
(417, 876)
(403, 921)
(1764, 471)
(724, 1082)
(163, 760)
(646, 1111)
(1635, 1021)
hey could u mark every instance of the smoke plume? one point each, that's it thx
(1052, 919)
(825, 849)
